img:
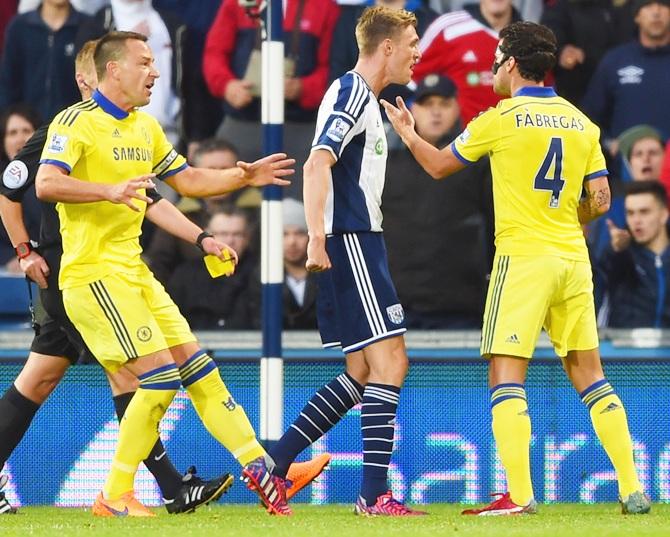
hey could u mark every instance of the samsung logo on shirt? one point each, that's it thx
(548, 121)
(132, 153)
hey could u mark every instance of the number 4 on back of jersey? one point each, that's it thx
(553, 184)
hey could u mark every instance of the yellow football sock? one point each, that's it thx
(137, 435)
(609, 421)
(223, 417)
(511, 430)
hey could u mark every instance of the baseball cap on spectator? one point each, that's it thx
(629, 137)
(639, 4)
(294, 214)
(435, 85)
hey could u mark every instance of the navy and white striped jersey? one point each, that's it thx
(349, 125)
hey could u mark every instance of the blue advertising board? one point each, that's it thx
(444, 449)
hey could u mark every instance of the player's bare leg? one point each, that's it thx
(388, 364)
(511, 430)
(608, 416)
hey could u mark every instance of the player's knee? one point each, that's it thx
(38, 389)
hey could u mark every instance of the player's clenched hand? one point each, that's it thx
(35, 267)
(268, 170)
(619, 238)
(400, 117)
(127, 191)
(213, 247)
(317, 257)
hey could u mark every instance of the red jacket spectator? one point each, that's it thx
(665, 169)
(461, 45)
(233, 36)
(7, 11)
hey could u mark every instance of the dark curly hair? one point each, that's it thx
(532, 45)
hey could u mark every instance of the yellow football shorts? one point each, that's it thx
(124, 316)
(528, 293)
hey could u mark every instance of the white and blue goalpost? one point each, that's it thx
(272, 265)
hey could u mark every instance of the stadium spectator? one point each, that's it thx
(232, 70)
(441, 282)
(635, 275)
(461, 45)
(88, 7)
(38, 58)
(585, 31)
(219, 154)
(665, 167)
(541, 275)
(17, 125)
(219, 302)
(204, 110)
(7, 11)
(300, 286)
(631, 82)
(641, 151)
(166, 252)
(530, 10)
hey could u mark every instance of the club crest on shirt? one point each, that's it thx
(15, 174)
(379, 146)
(395, 313)
(338, 130)
(144, 333)
(57, 143)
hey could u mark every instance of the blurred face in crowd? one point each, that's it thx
(231, 229)
(17, 133)
(646, 159)
(56, 3)
(217, 160)
(404, 55)
(654, 21)
(646, 217)
(435, 116)
(495, 8)
(295, 245)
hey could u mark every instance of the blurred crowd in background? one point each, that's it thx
(613, 64)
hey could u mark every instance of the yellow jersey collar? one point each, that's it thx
(108, 106)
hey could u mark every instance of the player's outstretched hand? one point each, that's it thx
(317, 257)
(619, 238)
(400, 117)
(213, 247)
(268, 170)
(35, 267)
(127, 191)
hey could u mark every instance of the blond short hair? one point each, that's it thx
(378, 23)
(83, 63)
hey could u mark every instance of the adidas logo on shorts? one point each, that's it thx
(512, 339)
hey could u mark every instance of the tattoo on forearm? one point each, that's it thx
(599, 198)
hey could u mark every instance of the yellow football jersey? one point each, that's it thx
(99, 142)
(542, 149)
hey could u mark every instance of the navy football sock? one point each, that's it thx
(380, 403)
(326, 407)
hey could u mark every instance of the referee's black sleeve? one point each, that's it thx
(13, 185)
